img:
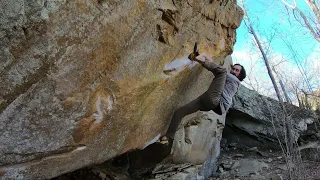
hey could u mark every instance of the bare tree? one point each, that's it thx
(258, 43)
(294, 87)
(311, 24)
(287, 120)
(305, 80)
(282, 86)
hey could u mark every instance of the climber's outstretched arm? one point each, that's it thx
(208, 63)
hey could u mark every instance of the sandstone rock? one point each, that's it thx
(221, 170)
(224, 174)
(203, 136)
(311, 134)
(82, 81)
(253, 149)
(223, 143)
(277, 177)
(235, 165)
(226, 166)
(204, 129)
(269, 160)
(311, 151)
(238, 155)
(255, 120)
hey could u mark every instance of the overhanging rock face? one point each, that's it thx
(256, 120)
(82, 81)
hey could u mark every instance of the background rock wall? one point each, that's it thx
(256, 120)
(82, 81)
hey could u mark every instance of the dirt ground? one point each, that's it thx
(234, 164)
(275, 161)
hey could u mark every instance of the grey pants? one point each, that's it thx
(210, 100)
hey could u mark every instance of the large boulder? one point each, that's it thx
(195, 140)
(84, 81)
(198, 142)
(257, 120)
(194, 153)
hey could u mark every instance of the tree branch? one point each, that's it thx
(315, 9)
(313, 30)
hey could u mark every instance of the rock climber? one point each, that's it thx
(218, 97)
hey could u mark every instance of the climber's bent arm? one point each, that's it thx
(206, 62)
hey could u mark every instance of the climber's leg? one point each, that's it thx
(189, 108)
(211, 98)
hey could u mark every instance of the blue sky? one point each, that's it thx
(268, 16)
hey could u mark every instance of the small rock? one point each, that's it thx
(270, 150)
(261, 153)
(283, 167)
(269, 160)
(238, 155)
(221, 169)
(235, 165)
(232, 144)
(279, 157)
(223, 142)
(226, 166)
(190, 170)
(224, 162)
(224, 174)
(277, 177)
(253, 149)
(254, 176)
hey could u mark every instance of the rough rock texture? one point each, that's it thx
(194, 141)
(310, 142)
(310, 151)
(82, 81)
(198, 142)
(193, 154)
(256, 120)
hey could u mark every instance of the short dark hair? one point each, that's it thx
(242, 74)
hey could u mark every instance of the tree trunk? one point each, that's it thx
(312, 4)
(307, 105)
(287, 120)
(282, 87)
(298, 98)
